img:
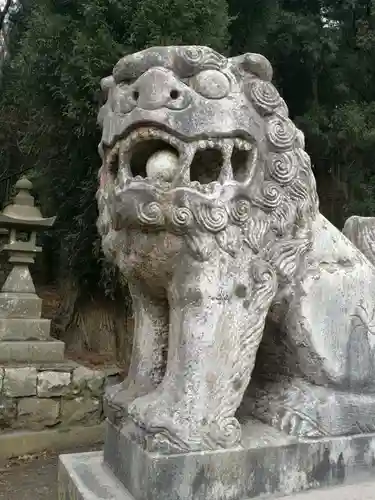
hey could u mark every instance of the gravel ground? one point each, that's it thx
(35, 480)
(31, 477)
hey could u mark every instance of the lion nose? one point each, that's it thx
(158, 88)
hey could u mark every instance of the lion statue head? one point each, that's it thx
(196, 143)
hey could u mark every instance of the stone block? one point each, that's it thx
(14, 305)
(64, 366)
(24, 329)
(268, 462)
(80, 410)
(52, 383)
(84, 477)
(51, 351)
(36, 413)
(20, 382)
(86, 379)
(8, 412)
(113, 377)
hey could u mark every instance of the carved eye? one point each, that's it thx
(211, 84)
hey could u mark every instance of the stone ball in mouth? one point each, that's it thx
(162, 165)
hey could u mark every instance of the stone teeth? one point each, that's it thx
(220, 143)
(242, 144)
(147, 133)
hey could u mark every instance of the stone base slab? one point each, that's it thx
(278, 471)
(267, 462)
(21, 443)
(83, 476)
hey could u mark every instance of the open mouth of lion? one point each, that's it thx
(155, 155)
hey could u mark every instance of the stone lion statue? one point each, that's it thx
(248, 303)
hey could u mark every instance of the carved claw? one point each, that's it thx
(119, 397)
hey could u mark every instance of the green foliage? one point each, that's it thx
(323, 52)
(50, 98)
(180, 22)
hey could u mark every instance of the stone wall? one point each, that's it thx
(45, 397)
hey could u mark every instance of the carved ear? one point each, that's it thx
(254, 63)
(106, 84)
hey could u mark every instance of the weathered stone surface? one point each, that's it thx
(83, 477)
(8, 412)
(80, 410)
(247, 301)
(86, 379)
(27, 442)
(324, 344)
(36, 413)
(246, 268)
(361, 232)
(20, 382)
(53, 383)
(51, 351)
(114, 378)
(267, 462)
(14, 305)
(260, 468)
(1, 378)
(24, 329)
(239, 208)
(67, 366)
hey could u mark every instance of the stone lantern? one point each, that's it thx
(24, 334)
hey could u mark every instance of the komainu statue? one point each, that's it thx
(248, 303)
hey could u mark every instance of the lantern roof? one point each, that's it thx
(22, 212)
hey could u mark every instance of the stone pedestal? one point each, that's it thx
(267, 462)
(24, 335)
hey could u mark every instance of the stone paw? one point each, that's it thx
(290, 407)
(296, 425)
(147, 409)
(119, 397)
(170, 422)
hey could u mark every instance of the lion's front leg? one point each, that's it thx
(148, 360)
(218, 310)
